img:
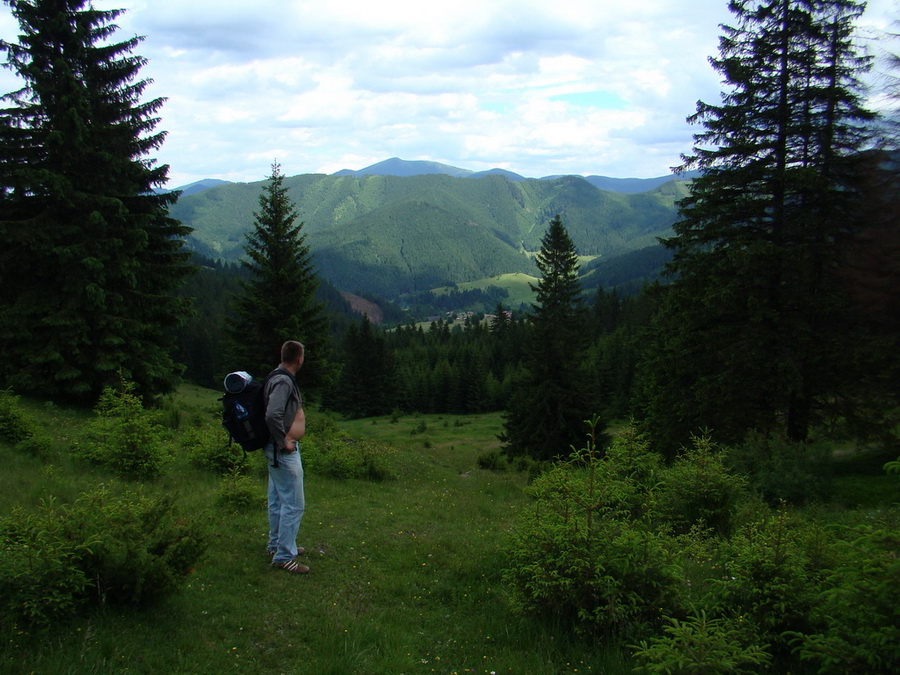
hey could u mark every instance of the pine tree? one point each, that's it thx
(368, 382)
(278, 302)
(90, 258)
(548, 406)
(748, 335)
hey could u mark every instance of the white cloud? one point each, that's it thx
(572, 86)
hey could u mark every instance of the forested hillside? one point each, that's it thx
(390, 235)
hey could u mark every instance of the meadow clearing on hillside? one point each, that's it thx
(405, 571)
(408, 565)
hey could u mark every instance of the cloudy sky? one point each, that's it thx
(536, 87)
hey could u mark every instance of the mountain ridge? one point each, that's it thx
(396, 235)
(406, 168)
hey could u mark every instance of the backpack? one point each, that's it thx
(244, 411)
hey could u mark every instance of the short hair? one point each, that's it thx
(291, 351)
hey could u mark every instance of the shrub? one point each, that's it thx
(208, 448)
(20, 430)
(98, 549)
(125, 436)
(701, 646)
(629, 455)
(41, 576)
(329, 452)
(860, 601)
(15, 425)
(492, 461)
(145, 546)
(606, 576)
(237, 492)
(637, 470)
(699, 488)
(765, 578)
(578, 553)
(780, 469)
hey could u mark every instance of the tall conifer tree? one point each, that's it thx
(748, 337)
(548, 405)
(278, 302)
(90, 258)
(367, 384)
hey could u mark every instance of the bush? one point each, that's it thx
(15, 425)
(20, 430)
(630, 457)
(492, 461)
(327, 451)
(766, 578)
(41, 576)
(860, 604)
(208, 448)
(700, 645)
(100, 549)
(239, 493)
(698, 488)
(125, 436)
(780, 469)
(580, 554)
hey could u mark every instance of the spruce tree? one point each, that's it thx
(90, 258)
(278, 301)
(548, 406)
(748, 337)
(367, 384)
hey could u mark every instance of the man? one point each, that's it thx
(287, 425)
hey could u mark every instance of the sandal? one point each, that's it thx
(292, 566)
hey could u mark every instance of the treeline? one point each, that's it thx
(200, 342)
(472, 366)
(425, 303)
(447, 366)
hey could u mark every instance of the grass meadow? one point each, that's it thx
(517, 284)
(405, 572)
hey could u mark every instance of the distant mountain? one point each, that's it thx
(635, 185)
(499, 172)
(388, 235)
(629, 271)
(406, 168)
(200, 186)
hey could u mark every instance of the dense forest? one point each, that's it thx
(772, 313)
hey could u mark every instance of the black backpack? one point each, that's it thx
(244, 411)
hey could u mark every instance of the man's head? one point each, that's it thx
(292, 353)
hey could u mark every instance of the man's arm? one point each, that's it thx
(278, 398)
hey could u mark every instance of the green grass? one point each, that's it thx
(405, 573)
(517, 284)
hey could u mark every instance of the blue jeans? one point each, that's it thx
(286, 503)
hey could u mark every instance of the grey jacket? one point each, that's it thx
(283, 400)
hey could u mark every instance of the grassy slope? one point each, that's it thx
(405, 574)
(518, 285)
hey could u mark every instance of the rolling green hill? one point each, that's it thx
(389, 235)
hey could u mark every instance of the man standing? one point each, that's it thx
(287, 425)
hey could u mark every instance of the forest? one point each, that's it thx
(695, 472)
